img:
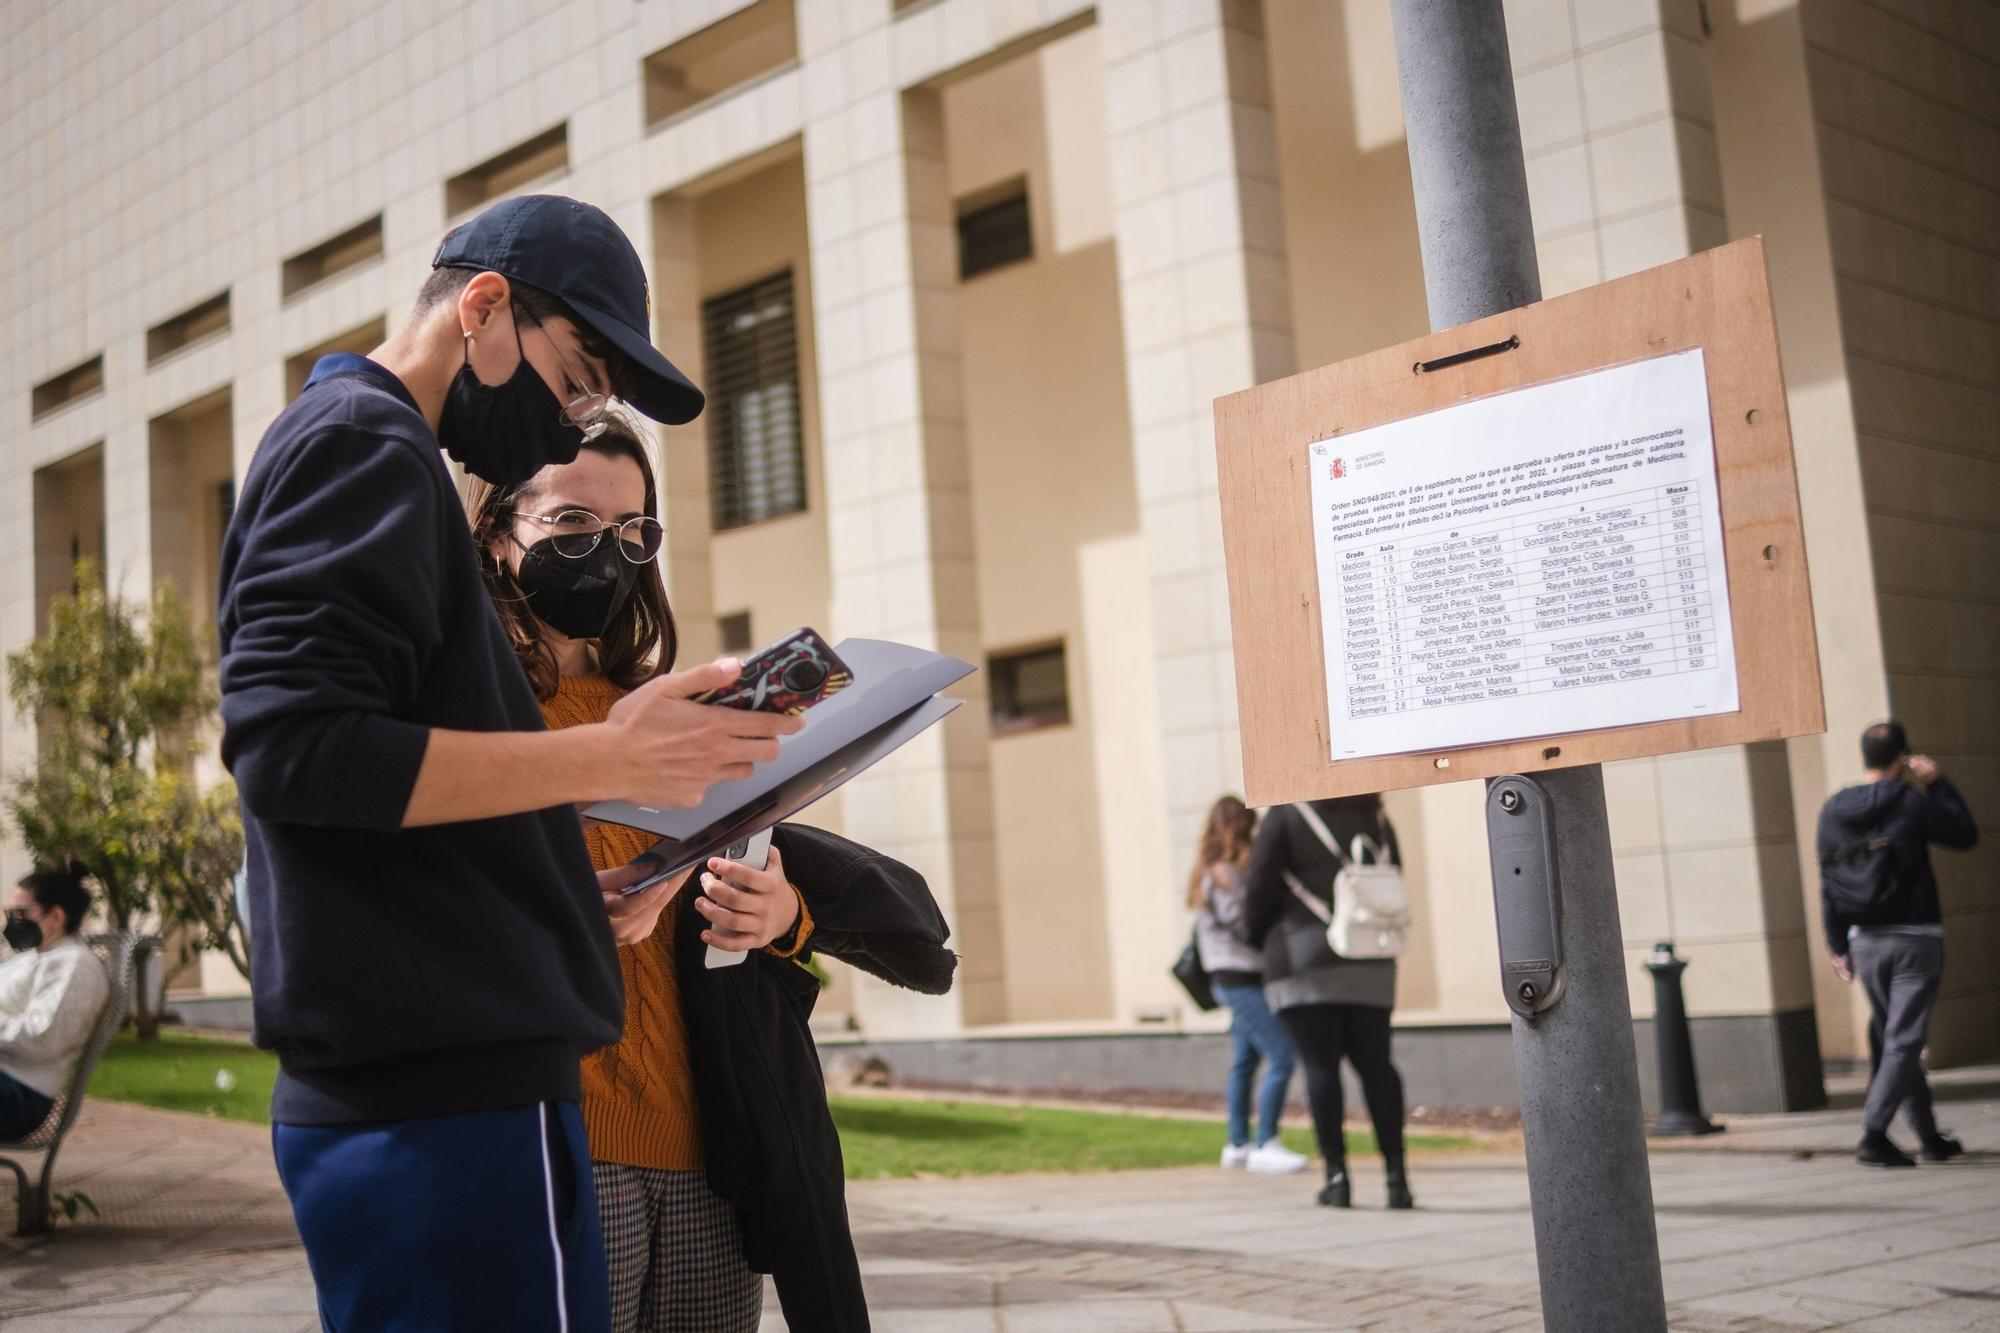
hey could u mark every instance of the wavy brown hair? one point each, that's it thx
(1225, 840)
(640, 642)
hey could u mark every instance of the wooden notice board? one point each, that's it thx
(1717, 302)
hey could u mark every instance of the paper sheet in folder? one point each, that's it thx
(893, 699)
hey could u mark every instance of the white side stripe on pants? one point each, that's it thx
(555, 1238)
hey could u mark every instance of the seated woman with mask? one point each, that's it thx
(52, 989)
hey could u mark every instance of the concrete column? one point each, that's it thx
(682, 459)
(1618, 129)
(128, 512)
(899, 522)
(257, 391)
(1204, 290)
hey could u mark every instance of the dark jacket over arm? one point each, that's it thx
(773, 1152)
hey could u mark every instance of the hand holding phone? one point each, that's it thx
(666, 750)
(755, 852)
(788, 677)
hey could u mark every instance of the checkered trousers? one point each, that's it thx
(674, 1253)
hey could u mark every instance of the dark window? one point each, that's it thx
(169, 336)
(994, 232)
(335, 255)
(1030, 688)
(547, 154)
(64, 389)
(225, 503)
(735, 632)
(756, 468)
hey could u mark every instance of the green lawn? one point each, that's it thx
(880, 1136)
(182, 1073)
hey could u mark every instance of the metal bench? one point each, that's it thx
(115, 951)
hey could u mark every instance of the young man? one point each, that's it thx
(1879, 904)
(51, 993)
(432, 955)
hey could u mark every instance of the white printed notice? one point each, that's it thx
(1539, 562)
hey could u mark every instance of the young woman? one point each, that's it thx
(52, 990)
(713, 1153)
(1236, 973)
(1334, 1008)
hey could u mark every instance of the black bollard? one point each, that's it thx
(1680, 1094)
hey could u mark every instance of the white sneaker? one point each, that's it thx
(1235, 1155)
(1275, 1159)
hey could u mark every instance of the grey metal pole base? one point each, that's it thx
(1595, 1243)
(1680, 1090)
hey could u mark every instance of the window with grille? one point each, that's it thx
(756, 466)
(1028, 688)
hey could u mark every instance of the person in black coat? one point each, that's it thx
(1334, 1008)
(773, 1152)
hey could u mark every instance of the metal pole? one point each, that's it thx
(1592, 1199)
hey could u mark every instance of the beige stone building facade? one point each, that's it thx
(962, 278)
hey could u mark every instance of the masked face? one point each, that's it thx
(577, 598)
(505, 433)
(23, 934)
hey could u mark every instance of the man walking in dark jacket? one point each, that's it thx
(1879, 903)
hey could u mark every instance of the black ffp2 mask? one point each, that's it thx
(505, 433)
(577, 598)
(23, 935)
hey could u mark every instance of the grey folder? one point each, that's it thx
(893, 699)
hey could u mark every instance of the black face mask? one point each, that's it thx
(505, 433)
(22, 934)
(577, 598)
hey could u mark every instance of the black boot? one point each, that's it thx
(1336, 1193)
(1877, 1150)
(1942, 1148)
(1399, 1189)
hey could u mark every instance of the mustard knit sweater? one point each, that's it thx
(638, 1096)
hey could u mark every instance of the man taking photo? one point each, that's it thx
(432, 954)
(1879, 904)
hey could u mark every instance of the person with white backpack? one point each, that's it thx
(1324, 899)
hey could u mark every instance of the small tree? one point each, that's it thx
(122, 701)
(197, 845)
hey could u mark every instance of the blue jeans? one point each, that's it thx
(1257, 1035)
(22, 1109)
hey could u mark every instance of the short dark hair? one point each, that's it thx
(1883, 744)
(62, 886)
(444, 285)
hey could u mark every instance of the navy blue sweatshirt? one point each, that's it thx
(1908, 821)
(396, 972)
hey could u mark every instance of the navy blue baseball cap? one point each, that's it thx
(576, 253)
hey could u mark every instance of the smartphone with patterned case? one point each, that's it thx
(790, 676)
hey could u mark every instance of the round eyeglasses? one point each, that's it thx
(575, 533)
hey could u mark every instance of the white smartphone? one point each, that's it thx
(755, 852)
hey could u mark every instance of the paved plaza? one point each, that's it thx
(1769, 1226)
